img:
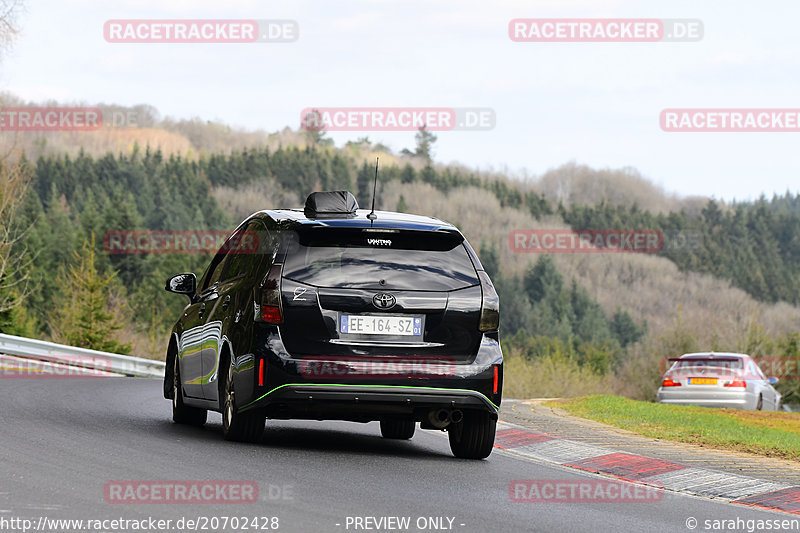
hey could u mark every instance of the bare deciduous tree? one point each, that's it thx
(9, 13)
(15, 262)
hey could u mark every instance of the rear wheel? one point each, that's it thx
(182, 413)
(398, 429)
(241, 427)
(473, 438)
(760, 403)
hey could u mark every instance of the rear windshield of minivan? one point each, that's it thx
(400, 260)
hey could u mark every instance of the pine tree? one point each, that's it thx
(624, 329)
(408, 174)
(543, 280)
(83, 314)
(364, 185)
(490, 259)
(314, 128)
(402, 206)
(425, 140)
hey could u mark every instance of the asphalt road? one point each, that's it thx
(63, 440)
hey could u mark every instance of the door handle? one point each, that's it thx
(226, 302)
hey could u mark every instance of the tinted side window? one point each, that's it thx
(268, 249)
(243, 250)
(214, 271)
(215, 268)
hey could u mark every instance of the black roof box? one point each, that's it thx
(330, 203)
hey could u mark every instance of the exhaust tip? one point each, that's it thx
(439, 418)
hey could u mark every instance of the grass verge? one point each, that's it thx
(773, 434)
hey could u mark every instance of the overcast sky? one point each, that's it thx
(593, 103)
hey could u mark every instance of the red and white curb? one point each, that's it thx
(648, 470)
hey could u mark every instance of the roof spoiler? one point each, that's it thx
(706, 359)
(330, 203)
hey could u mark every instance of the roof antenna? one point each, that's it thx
(372, 216)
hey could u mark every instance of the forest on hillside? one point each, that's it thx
(72, 290)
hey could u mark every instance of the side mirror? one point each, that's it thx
(182, 284)
(772, 380)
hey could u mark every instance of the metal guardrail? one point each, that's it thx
(81, 357)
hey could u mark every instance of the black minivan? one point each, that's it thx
(335, 313)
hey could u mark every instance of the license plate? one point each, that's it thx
(702, 381)
(380, 325)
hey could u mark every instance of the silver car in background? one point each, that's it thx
(711, 379)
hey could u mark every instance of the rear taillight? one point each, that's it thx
(669, 383)
(736, 383)
(495, 381)
(271, 297)
(490, 304)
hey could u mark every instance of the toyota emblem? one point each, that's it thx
(383, 300)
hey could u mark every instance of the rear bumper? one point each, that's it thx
(365, 402)
(336, 389)
(741, 399)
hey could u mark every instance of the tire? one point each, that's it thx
(398, 429)
(474, 439)
(239, 427)
(182, 413)
(760, 404)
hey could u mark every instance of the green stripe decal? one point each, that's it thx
(369, 386)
